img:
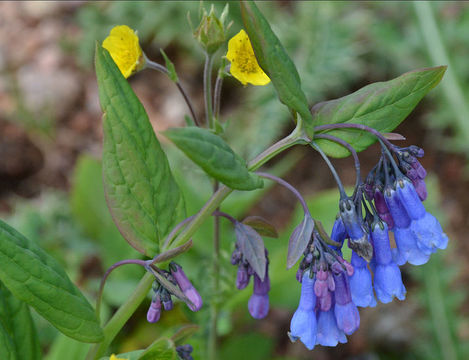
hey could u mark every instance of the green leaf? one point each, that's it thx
(144, 200)
(15, 318)
(184, 333)
(161, 349)
(382, 106)
(64, 347)
(252, 247)
(274, 60)
(214, 155)
(37, 279)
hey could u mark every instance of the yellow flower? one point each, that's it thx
(122, 44)
(114, 357)
(244, 66)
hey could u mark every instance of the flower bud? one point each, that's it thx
(242, 277)
(186, 286)
(154, 311)
(210, 33)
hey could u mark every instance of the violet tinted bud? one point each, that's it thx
(184, 352)
(242, 277)
(299, 274)
(236, 257)
(166, 300)
(346, 312)
(421, 188)
(154, 311)
(382, 208)
(186, 286)
(258, 304)
(416, 151)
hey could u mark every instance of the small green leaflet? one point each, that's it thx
(215, 157)
(275, 61)
(144, 200)
(15, 318)
(382, 106)
(37, 279)
(161, 349)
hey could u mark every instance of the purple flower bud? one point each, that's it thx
(382, 208)
(186, 286)
(166, 300)
(328, 334)
(242, 277)
(346, 312)
(360, 283)
(236, 257)
(303, 323)
(416, 151)
(398, 212)
(421, 172)
(421, 188)
(299, 274)
(258, 304)
(154, 311)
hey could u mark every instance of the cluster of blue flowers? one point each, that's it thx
(390, 201)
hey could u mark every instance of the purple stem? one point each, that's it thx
(349, 148)
(225, 215)
(358, 127)
(288, 186)
(108, 272)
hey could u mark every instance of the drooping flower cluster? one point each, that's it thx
(258, 304)
(326, 312)
(331, 287)
(163, 296)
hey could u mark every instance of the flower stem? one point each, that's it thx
(358, 127)
(208, 91)
(349, 148)
(213, 332)
(288, 186)
(343, 194)
(158, 67)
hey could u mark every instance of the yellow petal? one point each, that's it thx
(114, 357)
(122, 43)
(244, 66)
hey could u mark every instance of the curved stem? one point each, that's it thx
(173, 232)
(106, 275)
(218, 213)
(208, 90)
(288, 186)
(217, 95)
(343, 194)
(158, 67)
(121, 316)
(358, 127)
(349, 148)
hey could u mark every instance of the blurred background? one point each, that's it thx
(50, 171)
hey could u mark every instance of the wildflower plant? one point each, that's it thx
(148, 206)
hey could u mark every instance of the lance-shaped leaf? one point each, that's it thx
(274, 60)
(16, 320)
(382, 106)
(37, 279)
(252, 247)
(262, 226)
(215, 157)
(144, 200)
(299, 240)
(161, 349)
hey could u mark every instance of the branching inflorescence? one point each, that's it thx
(388, 201)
